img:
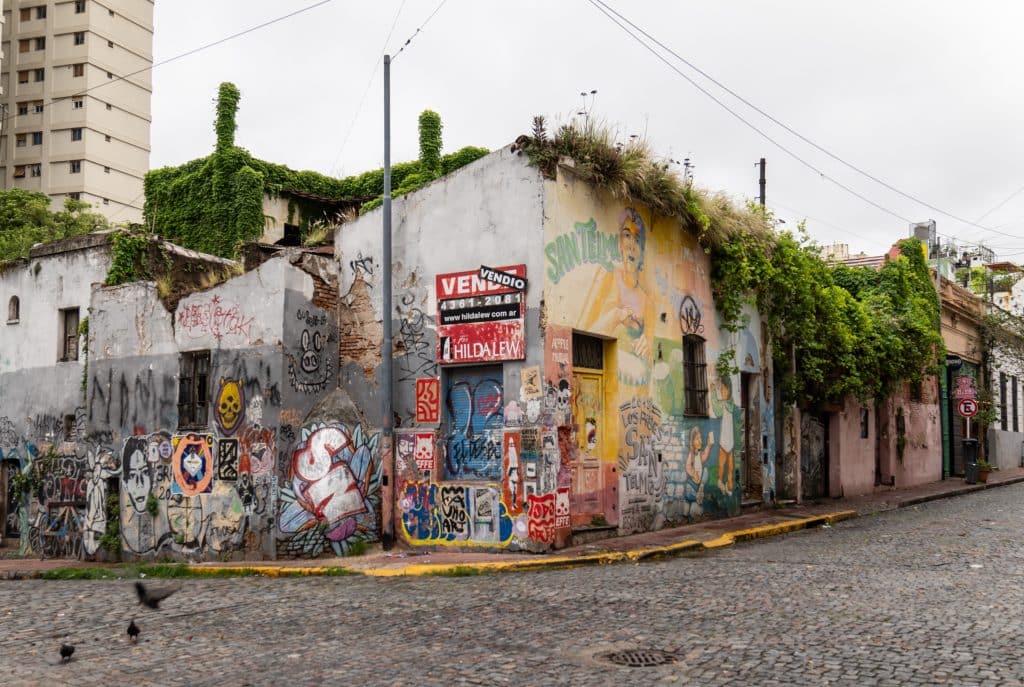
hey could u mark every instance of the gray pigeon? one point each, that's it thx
(151, 598)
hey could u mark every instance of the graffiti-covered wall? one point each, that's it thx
(203, 411)
(41, 367)
(468, 353)
(655, 436)
(540, 345)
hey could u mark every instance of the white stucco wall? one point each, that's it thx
(44, 286)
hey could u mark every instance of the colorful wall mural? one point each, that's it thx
(671, 434)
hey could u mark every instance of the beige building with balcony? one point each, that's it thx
(76, 101)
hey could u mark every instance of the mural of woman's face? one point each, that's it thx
(137, 481)
(629, 248)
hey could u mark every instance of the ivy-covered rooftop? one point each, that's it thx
(214, 204)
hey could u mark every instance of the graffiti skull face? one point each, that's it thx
(564, 395)
(312, 344)
(229, 405)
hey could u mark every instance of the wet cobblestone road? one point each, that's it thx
(926, 595)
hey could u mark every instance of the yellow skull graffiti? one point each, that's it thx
(230, 405)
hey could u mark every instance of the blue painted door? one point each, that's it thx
(474, 417)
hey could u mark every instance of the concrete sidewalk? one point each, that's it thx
(708, 534)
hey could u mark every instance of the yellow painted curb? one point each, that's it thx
(546, 562)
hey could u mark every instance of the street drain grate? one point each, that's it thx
(640, 658)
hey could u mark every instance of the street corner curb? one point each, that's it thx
(775, 529)
(959, 491)
(493, 567)
(610, 557)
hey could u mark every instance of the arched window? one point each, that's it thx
(13, 309)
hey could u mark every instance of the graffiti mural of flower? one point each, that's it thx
(333, 496)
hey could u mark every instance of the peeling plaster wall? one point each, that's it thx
(272, 357)
(487, 213)
(852, 456)
(921, 461)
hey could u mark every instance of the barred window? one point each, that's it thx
(1002, 401)
(587, 351)
(193, 389)
(695, 376)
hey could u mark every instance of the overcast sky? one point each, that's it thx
(926, 95)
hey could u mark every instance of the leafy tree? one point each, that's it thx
(26, 219)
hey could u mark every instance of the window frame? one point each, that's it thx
(68, 345)
(75, 166)
(78, 38)
(76, 133)
(695, 376)
(78, 69)
(79, 6)
(40, 74)
(37, 138)
(194, 389)
(13, 310)
(35, 169)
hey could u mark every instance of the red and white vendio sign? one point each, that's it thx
(480, 320)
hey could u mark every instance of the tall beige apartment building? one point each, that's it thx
(76, 101)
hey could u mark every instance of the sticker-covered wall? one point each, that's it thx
(203, 411)
(467, 285)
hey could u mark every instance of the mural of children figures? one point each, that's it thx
(619, 304)
(696, 474)
(723, 406)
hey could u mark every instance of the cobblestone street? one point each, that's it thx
(924, 595)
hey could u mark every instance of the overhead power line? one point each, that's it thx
(777, 144)
(1004, 202)
(606, 9)
(417, 31)
(369, 82)
(187, 53)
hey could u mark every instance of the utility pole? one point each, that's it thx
(761, 180)
(387, 427)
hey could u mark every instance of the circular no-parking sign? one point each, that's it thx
(967, 407)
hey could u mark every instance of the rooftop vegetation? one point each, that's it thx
(859, 332)
(214, 203)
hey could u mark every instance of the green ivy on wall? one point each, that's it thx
(859, 332)
(128, 258)
(213, 204)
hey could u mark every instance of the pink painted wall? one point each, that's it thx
(852, 457)
(922, 454)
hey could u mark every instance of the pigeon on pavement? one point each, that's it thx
(65, 652)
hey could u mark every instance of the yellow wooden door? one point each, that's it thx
(588, 419)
